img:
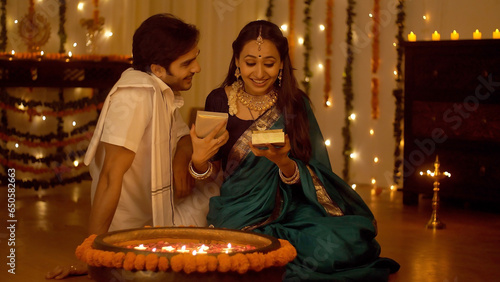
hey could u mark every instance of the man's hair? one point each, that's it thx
(161, 39)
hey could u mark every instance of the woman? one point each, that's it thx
(286, 191)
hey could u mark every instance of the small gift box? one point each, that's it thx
(208, 121)
(272, 136)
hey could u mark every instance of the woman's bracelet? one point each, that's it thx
(200, 176)
(295, 178)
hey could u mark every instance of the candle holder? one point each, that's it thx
(434, 222)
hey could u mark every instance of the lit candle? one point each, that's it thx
(436, 36)
(412, 36)
(496, 34)
(228, 249)
(140, 247)
(203, 249)
(454, 35)
(183, 250)
(167, 249)
(476, 34)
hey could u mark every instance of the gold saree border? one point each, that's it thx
(241, 148)
(323, 198)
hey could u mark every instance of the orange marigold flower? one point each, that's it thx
(239, 263)
(151, 262)
(212, 263)
(224, 263)
(128, 262)
(89, 257)
(177, 262)
(269, 259)
(162, 264)
(201, 263)
(140, 262)
(189, 263)
(98, 258)
(107, 260)
(118, 259)
(80, 251)
(256, 260)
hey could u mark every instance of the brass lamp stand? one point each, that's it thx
(434, 222)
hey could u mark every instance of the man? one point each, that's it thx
(140, 129)
(131, 155)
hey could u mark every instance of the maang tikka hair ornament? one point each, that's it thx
(260, 40)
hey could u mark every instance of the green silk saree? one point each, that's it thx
(331, 227)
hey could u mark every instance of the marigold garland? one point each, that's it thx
(62, 32)
(348, 92)
(269, 10)
(375, 59)
(3, 24)
(291, 30)
(329, 41)
(398, 93)
(307, 46)
(188, 263)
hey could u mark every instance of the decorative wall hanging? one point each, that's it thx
(398, 94)
(34, 29)
(348, 92)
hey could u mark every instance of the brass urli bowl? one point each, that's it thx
(117, 241)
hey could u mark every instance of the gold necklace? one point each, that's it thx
(259, 103)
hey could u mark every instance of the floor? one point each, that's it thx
(51, 223)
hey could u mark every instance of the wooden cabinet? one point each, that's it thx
(452, 109)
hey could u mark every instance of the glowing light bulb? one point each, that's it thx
(374, 181)
(352, 117)
(74, 123)
(372, 131)
(76, 163)
(301, 40)
(353, 155)
(108, 34)
(328, 142)
(329, 103)
(44, 117)
(375, 160)
(320, 66)
(75, 44)
(321, 27)
(370, 15)
(17, 145)
(284, 27)
(80, 6)
(353, 186)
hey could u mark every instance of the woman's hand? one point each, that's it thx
(205, 148)
(276, 154)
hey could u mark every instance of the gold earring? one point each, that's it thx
(237, 73)
(280, 75)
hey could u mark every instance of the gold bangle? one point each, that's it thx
(295, 178)
(200, 176)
